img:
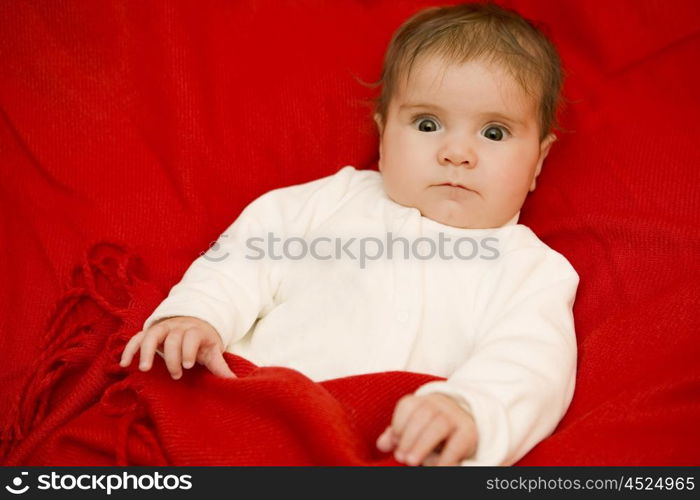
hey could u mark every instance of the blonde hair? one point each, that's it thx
(478, 31)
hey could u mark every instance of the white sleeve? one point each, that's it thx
(519, 380)
(231, 284)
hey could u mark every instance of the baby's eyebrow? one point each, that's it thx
(502, 117)
(484, 114)
(429, 106)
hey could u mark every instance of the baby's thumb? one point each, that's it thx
(218, 366)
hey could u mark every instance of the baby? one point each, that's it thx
(445, 281)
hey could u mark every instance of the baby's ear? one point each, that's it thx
(545, 146)
(378, 121)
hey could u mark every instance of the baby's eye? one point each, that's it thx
(495, 133)
(426, 124)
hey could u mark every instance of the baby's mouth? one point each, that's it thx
(455, 185)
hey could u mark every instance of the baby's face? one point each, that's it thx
(442, 131)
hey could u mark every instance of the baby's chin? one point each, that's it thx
(448, 211)
(454, 221)
(452, 213)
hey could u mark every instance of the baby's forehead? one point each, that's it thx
(432, 80)
(431, 70)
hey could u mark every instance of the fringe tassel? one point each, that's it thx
(86, 326)
(120, 401)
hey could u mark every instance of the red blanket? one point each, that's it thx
(141, 129)
(79, 407)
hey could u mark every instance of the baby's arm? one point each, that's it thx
(185, 340)
(232, 285)
(228, 287)
(519, 379)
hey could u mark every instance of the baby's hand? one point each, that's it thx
(185, 340)
(420, 425)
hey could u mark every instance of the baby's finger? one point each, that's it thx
(131, 347)
(415, 426)
(459, 446)
(438, 429)
(154, 336)
(172, 351)
(431, 460)
(402, 412)
(190, 346)
(386, 441)
(218, 366)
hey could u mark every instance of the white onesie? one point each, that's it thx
(332, 278)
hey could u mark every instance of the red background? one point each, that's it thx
(150, 125)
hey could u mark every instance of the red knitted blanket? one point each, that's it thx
(80, 408)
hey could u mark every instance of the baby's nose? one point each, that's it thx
(459, 161)
(458, 154)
